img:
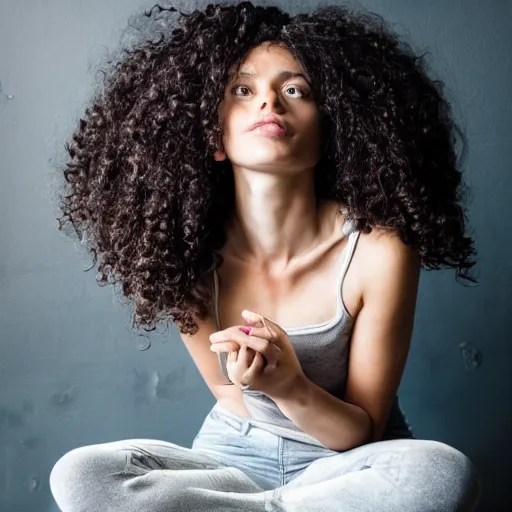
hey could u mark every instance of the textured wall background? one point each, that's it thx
(70, 372)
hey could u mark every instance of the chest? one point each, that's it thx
(312, 294)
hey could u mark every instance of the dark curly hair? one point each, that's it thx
(143, 185)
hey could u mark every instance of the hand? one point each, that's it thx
(273, 368)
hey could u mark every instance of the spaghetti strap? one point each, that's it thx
(347, 255)
(216, 297)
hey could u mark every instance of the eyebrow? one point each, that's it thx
(281, 74)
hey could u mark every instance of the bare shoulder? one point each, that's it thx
(384, 257)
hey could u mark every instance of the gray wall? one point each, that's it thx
(70, 372)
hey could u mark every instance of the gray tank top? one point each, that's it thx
(323, 351)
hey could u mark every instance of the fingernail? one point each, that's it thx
(247, 330)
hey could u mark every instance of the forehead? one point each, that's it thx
(266, 59)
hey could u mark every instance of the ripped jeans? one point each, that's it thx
(236, 466)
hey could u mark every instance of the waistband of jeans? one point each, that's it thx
(247, 423)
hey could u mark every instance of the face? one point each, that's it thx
(270, 84)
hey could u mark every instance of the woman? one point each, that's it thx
(273, 184)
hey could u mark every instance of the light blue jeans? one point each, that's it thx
(237, 467)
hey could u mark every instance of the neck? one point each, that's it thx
(277, 219)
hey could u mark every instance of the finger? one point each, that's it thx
(245, 356)
(225, 346)
(270, 351)
(264, 333)
(264, 346)
(257, 320)
(233, 356)
(256, 368)
(233, 334)
(253, 319)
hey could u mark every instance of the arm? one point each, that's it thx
(198, 346)
(378, 353)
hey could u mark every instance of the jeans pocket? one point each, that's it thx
(221, 432)
(227, 422)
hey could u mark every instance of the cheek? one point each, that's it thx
(311, 127)
(315, 121)
(224, 117)
(233, 125)
(316, 126)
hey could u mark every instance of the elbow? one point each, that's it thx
(362, 433)
(365, 428)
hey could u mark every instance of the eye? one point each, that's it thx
(234, 88)
(302, 92)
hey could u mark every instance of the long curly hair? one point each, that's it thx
(142, 184)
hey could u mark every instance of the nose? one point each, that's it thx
(269, 100)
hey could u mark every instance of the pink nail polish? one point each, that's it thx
(247, 330)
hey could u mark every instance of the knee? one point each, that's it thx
(455, 478)
(71, 474)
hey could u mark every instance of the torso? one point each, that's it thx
(296, 297)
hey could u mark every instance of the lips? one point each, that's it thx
(271, 119)
(270, 129)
